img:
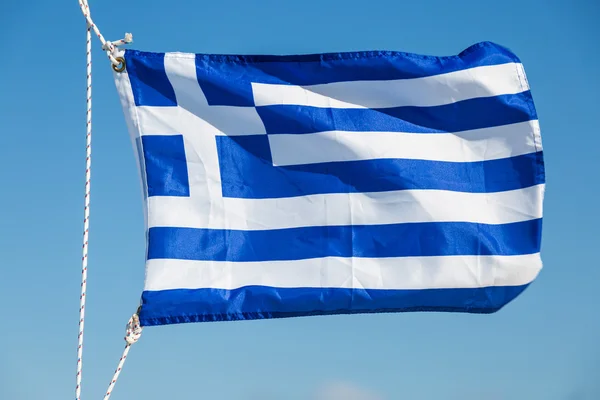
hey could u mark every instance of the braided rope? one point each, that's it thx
(134, 329)
(86, 218)
(108, 47)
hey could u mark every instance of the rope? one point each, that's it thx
(108, 47)
(86, 218)
(134, 329)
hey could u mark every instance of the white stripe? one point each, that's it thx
(334, 272)
(485, 81)
(467, 146)
(213, 121)
(346, 209)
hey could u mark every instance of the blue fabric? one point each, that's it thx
(166, 166)
(151, 86)
(393, 240)
(463, 115)
(259, 302)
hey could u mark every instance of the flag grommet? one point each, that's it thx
(120, 67)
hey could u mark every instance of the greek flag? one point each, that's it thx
(337, 183)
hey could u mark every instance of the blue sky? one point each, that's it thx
(544, 345)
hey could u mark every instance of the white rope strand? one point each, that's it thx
(126, 40)
(86, 218)
(109, 48)
(134, 331)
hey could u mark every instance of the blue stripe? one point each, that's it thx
(394, 240)
(481, 112)
(226, 79)
(149, 81)
(166, 165)
(261, 302)
(247, 172)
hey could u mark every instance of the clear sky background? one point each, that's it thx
(543, 346)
